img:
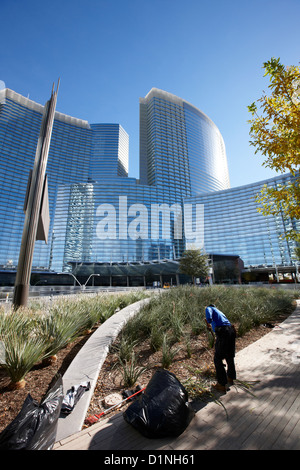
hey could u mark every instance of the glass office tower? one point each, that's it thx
(182, 151)
(234, 225)
(79, 154)
(109, 152)
(100, 215)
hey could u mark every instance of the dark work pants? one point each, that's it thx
(225, 349)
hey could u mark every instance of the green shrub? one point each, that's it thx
(21, 354)
(168, 352)
(181, 310)
(156, 337)
(130, 371)
(124, 348)
(30, 335)
(23, 346)
(57, 331)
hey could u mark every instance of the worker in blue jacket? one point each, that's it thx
(224, 346)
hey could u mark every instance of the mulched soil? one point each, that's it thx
(110, 380)
(38, 380)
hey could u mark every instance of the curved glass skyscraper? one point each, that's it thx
(182, 151)
(234, 225)
(79, 153)
(100, 215)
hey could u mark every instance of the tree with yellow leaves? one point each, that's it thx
(276, 134)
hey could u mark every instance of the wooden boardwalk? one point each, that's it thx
(267, 419)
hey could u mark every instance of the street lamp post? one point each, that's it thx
(89, 279)
(71, 274)
(277, 274)
(297, 272)
(83, 286)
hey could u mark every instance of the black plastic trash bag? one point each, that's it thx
(34, 428)
(163, 410)
(72, 397)
(128, 393)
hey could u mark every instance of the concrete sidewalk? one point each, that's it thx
(87, 365)
(268, 420)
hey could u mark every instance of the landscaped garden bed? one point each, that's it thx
(169, 332)
(40, 341)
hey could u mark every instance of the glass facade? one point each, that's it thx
(181, 149)
(206, 151)
(111, 222)
(79, 154)
(17, 152)
(164, 159)
(233, 225)
(109, 153)
(100, 215)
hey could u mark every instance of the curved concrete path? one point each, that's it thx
(268, 420)
(87, 364)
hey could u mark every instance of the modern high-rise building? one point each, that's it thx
(109, 152)
(102, 219)
(182, 151)
(234, 225)
(79, 153)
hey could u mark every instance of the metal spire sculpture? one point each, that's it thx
(36, 206)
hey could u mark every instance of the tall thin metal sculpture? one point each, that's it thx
(36, 225)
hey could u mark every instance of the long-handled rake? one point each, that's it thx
(94, 418)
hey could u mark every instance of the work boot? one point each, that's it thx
(219, 388)
(229, 381)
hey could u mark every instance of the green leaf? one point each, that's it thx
(252, 108)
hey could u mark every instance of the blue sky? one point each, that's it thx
(108, 53)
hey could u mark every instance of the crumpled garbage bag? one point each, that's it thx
(163, 409)
(72, 396)
(34, 428)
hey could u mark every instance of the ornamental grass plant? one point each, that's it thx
(21, 354)
(130, 370)
(168, 352)
(181, 311)
(32, 334)
(178, 316)
(62, 325)
(22, 345)
(35, 334)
